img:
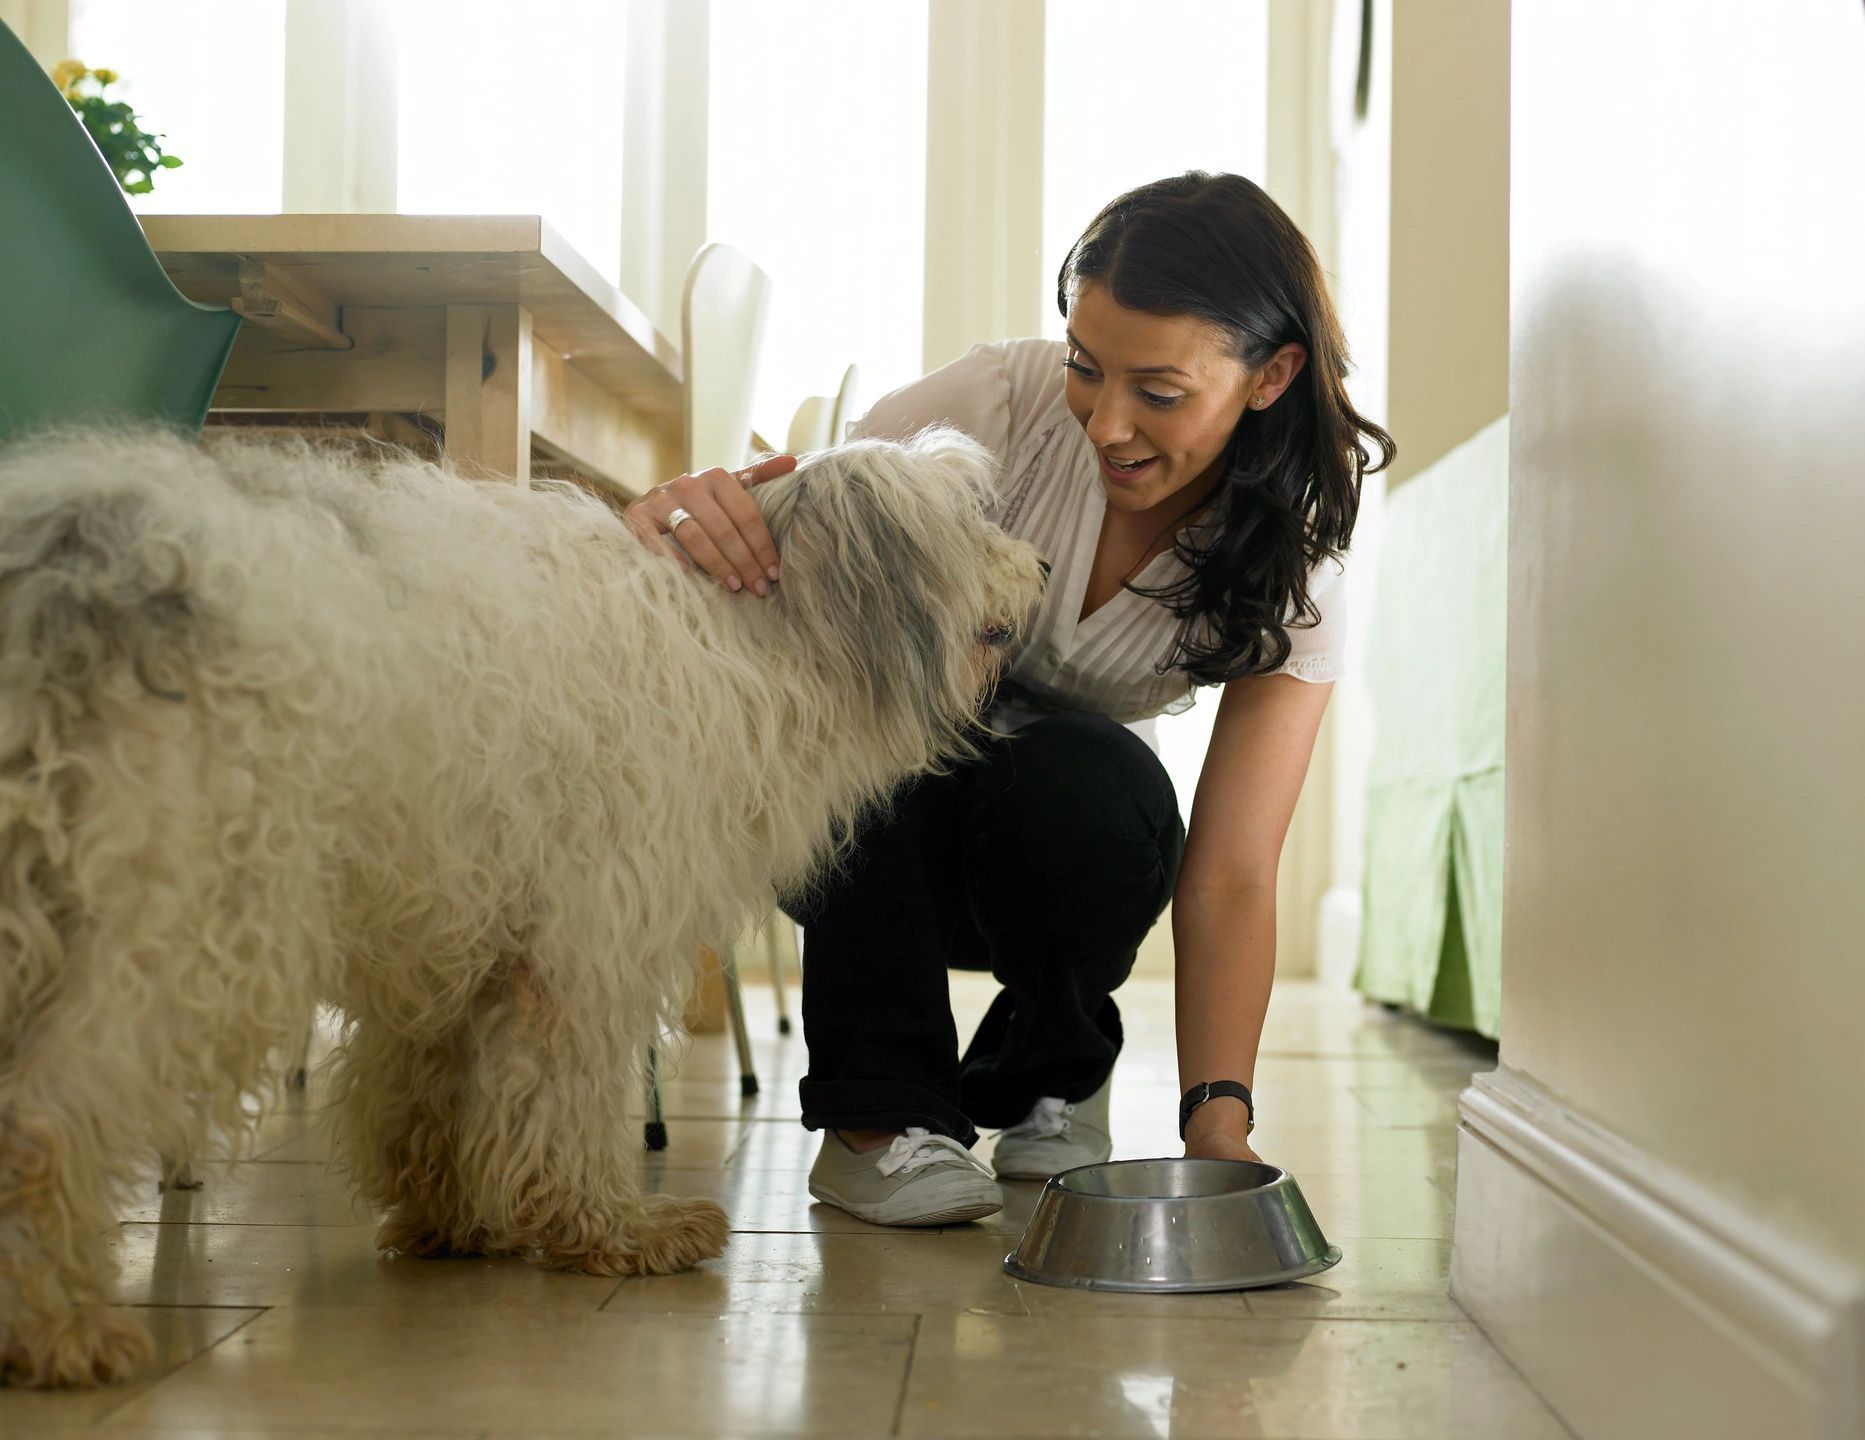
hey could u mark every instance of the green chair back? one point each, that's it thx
(91, 329)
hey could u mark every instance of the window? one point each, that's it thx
(515, 110)
(1132, 95)
(817, 171)
(209, 78)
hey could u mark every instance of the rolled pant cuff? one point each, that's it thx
(880, 1105)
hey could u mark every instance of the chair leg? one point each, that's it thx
(779, 944)
(735, 1017)
(296, 1077)
(656, 1130)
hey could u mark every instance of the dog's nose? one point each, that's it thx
(996, 635)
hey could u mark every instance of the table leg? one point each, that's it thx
(488, 413)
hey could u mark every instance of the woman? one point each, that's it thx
(1189, 465)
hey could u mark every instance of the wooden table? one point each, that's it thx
(490, 324)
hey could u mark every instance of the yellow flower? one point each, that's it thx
(68, 73)
(105, 77)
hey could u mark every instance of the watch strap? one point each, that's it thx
(1210, 1089)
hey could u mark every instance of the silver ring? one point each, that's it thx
(676, 518)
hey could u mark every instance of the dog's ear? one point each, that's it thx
(878, 579)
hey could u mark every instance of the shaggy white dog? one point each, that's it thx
(278, 727)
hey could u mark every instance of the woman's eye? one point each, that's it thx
(1164, 402)
(1080, 369)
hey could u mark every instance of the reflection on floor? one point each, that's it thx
(275, 1316)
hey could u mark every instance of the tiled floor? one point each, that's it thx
(275, 1316)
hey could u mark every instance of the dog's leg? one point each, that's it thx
(55, 1263)
(397, 1109)
(545, 1152)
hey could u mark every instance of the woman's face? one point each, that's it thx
(1160, 390)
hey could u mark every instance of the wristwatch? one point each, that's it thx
(1209, 1089)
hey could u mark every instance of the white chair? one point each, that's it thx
(844, 413)
(810, 426)
(722, 313)
(821, 420)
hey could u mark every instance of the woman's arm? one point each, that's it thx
(1224, 905)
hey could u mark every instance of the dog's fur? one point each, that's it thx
(281, 727)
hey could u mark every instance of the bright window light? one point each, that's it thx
(515, 109)
(208, 76)
(1108, 125)
(817, 170)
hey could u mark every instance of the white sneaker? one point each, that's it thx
(920, 1179)
(1056, 1136)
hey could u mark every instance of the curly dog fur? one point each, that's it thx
(281, 726)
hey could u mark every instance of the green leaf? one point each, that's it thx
(169, 162)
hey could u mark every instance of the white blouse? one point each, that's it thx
(1009, 397)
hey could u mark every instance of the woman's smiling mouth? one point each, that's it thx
(1126, 471)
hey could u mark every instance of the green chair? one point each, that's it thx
(91, 329)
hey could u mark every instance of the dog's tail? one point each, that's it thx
(96, 580)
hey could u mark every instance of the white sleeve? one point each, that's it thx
(1317, 652)
(972, 394)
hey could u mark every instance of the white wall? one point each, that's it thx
(1362, 292)
(341, 144)
(665, 106)
(984, 174)
(41, 26)
(1448, 363)
(1675, 1137)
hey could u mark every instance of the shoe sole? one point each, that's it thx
(953, 1214)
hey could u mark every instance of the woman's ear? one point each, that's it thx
(1277, 375)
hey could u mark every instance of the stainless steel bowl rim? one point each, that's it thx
(1328, 1261)
(1060, 1181)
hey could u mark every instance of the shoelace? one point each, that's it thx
(920, 1147)
(1050, 1117)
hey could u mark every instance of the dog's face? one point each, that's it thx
(892, 562)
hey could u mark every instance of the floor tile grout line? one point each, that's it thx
(906, 1376)
(99, 1420)
(191, 1305)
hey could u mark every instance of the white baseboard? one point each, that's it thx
(1337, 938)
(1637, 1303)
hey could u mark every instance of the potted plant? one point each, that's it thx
(133, 154)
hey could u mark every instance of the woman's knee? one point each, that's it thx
(1077, 810)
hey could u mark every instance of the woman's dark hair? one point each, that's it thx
(1218, 248)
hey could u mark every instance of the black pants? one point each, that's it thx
(1045, 862)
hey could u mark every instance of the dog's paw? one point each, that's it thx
(88, 1348)
(407, 1233)
(678, 1234)
(668, 1235)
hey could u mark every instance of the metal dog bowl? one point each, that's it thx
(1169, 1225)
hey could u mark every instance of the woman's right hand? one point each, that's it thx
(1220, 1130)
(725, 535)
(1222, 1147)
